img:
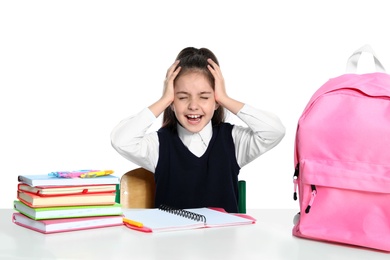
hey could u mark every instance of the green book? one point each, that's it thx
(67, 211)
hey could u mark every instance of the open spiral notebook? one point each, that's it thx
(168, 219)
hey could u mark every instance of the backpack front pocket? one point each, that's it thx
(350, 206)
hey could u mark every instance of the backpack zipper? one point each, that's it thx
(295, 180)
(313, 189)
(313, 196)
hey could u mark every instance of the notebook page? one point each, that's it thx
(215, 218)
(159, 220)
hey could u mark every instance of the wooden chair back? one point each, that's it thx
(137, 189)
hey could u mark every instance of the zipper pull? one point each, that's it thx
(313, 195)
(295, 180)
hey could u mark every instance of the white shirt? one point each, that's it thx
(196, 142)
(130, 138)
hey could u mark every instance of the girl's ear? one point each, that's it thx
(172, 107)
(216, 106)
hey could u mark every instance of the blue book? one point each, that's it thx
(46, 180)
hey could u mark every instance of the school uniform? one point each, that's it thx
(197, 169)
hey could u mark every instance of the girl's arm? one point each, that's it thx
(130, 138)
(264, 131)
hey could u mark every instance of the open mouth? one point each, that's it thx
(194, 118)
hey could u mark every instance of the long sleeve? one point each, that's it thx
(264, 131)
(130, 139)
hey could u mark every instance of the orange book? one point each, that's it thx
(35, 201)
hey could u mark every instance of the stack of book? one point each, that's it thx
(50, 204)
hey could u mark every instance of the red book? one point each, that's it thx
(66, 190)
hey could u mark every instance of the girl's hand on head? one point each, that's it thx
(219, 88)
(220, 94)
(168, 82)
(168, 95)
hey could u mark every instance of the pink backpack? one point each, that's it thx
(342, 160)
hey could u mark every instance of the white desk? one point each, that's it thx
(270, 238)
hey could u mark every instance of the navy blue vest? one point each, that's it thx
(184, 180)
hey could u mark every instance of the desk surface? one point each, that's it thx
(270, 238)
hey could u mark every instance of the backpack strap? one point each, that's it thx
(354, 58)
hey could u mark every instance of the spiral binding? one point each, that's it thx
(184, 213)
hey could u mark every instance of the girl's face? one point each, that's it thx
(194, 103)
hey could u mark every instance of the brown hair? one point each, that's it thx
(193, 59)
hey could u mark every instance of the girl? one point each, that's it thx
(195, 156)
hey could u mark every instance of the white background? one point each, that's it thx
(71, 70)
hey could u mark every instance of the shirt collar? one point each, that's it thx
(186, 136)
